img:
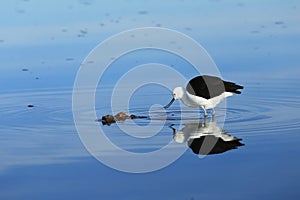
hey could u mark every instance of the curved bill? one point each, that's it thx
(169, 104)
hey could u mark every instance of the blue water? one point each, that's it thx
(255, 44)
(42, 156)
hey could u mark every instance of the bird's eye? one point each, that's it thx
(174, 94)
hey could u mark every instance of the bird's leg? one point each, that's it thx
(213, 112)
(204, 121)
(205, 113)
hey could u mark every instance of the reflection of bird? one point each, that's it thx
(205, 92)
(206, 138)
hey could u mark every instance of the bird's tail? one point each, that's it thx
(232, 87)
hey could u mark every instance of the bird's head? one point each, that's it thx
(178, 93)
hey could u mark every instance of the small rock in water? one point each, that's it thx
(279, 22)
(143, 12)
(30, 106)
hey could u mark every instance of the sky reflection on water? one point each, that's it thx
(43, 43)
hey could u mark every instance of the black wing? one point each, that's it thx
(232, 87)
(202, 145)
(211, 86)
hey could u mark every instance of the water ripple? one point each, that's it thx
(244, 114)
(51, 109)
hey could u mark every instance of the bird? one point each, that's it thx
(206, 138)
(205, 91)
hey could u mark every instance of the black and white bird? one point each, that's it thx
(205, 92)
(206, 138)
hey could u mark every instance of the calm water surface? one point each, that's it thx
(254, 43)
(43, 158)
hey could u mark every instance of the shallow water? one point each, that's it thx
(252, 143)
(41, 151)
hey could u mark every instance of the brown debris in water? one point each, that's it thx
(120, 117)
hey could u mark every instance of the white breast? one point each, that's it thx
(195, 101)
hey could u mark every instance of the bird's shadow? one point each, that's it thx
(205, 138)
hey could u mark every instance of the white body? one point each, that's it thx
(195, 101)
(197, 130)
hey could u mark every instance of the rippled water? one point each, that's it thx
(246, 115)
(263, 121)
